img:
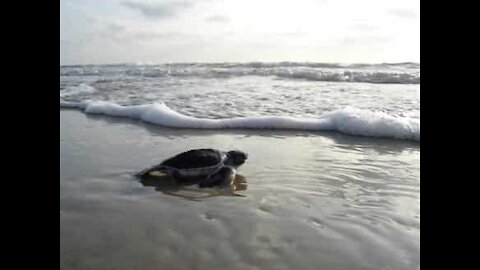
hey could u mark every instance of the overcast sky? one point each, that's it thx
(160, 31)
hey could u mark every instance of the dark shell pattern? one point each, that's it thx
(198, 158)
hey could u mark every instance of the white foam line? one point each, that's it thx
(350, 121)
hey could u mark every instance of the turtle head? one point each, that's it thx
(236, 158)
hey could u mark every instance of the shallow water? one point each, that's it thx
(309, 200)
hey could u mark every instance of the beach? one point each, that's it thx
(304, 199)
(311, 108)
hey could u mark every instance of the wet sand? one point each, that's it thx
(303, 200)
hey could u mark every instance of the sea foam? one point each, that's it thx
(351, 121)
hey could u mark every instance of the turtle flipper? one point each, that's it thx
(147, 171)
(222, 177)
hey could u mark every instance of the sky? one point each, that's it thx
(168, 31)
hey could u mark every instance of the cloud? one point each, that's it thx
(114, 28)
(364, 40)
(363, 27)
(404, 13)
(157, 10)
(150, 36)
(217, 19)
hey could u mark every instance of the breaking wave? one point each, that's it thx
(351, 121)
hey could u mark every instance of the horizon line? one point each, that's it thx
(237, 62)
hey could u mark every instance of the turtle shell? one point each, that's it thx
(196, 162)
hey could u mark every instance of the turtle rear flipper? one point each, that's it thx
(146, 172)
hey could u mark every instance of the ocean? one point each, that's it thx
(332, 180)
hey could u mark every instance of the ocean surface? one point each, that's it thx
(332, 180)
(370, 100)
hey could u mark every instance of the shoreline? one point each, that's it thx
(234, 129)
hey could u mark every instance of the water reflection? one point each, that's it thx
(164, 183)
(379, 145)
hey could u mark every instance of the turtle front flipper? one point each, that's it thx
(223, 177)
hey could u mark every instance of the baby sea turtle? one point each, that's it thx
(212, 167)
